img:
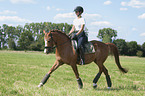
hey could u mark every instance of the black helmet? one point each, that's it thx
(79, 9)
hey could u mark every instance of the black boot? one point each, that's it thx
(81, 49)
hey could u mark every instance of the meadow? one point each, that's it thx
(21, 72)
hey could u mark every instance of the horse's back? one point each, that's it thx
(99, 44)
(101, 49)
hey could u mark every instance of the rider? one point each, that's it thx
(78, 28)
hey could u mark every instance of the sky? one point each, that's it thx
(125, 16)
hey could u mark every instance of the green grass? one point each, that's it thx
(21, 72)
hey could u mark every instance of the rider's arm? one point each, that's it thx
(72, 29)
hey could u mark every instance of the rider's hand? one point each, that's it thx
(74, 37)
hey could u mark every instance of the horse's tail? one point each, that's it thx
(114, 51)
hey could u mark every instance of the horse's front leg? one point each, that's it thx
(80, 84)
(46, 77)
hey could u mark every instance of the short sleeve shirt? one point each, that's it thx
(78, 22)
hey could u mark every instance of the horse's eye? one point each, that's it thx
(48, 41)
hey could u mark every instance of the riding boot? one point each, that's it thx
(81, 49)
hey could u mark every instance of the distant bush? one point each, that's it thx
(139, 53)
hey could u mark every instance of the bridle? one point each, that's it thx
(52, 41)
(55, 42)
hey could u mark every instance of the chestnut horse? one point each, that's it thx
(65, 53)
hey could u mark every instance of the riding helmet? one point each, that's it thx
(79, 9)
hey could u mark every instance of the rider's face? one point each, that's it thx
(78, 13)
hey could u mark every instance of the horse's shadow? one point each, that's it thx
(132, 87)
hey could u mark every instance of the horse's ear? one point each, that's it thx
(48, 33)
(44, 31)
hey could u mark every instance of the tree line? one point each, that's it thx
(108, 35)
(31, 37)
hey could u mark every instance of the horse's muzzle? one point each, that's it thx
(47, 50)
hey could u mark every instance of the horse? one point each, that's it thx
(65, 54)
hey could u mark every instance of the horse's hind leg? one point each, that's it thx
(97, 76)
(107, 77)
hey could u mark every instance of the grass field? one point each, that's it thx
(21, 72)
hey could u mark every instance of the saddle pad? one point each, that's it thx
(89, 48)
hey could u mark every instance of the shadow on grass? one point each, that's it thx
(132, 87)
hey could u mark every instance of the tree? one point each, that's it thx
(107, 35)
(143, 48)
(139, 53)
(122, 46)
(29, 37)
(19, 29)
(25, 40)
(0, 36)
(132, 48)
(3, 36)
(12, 44)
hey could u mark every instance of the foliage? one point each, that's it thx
(122, 46)
(132, 48)
(25, 40)
(29, 37)
(107, 35)
(12, 44)
(129, 48)
(21, 72)
(139, 53)
(143, 48)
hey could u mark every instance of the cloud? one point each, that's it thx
(23, 1)
(123, 9)
(68, 17)
(134, 29)
(72, 15)
(65, 17)
(101, 23)
(107, 2)
(48, 8)
(8, 12)
(58, 9)
(142, 16)
(13, 19)
(142, 34)
(134, 4)
(92, 15)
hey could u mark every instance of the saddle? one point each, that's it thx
(88, 47)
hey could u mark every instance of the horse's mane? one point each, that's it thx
(59, 31)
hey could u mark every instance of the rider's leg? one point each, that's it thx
(81, 50)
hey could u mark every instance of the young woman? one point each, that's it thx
(78, 28)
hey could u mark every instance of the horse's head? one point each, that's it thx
(49, 42)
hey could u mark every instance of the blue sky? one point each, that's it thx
(125, 16)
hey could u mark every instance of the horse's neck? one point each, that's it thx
(63, 44)
(60, 39)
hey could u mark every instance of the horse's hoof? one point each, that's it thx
(40, 85)
(80, 86)
(109, 88)
(94, 85)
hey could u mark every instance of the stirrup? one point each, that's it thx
(82, 62)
